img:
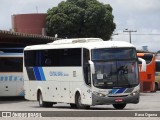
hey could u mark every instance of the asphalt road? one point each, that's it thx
(148, 106)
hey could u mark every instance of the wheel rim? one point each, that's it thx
(40, 99)
(79, 101)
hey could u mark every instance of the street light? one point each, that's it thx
(129, 31)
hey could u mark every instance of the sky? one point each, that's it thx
(142, 16)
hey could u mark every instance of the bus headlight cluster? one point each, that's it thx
(99, 94)
(134, 93)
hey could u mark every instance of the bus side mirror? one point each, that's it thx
(143, 68)
(92, 68)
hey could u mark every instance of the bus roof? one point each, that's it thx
(89, 43)
(2, 54)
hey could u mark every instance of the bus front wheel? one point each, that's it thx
(73, 105)
(78, 103)
(119, 106)
(42, 103)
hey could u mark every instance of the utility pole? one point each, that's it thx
(129, 31)
(37, 9)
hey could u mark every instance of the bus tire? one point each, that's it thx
(73, 105)
(119, 106)
(42, 103)
(156, 87)
(78, 103)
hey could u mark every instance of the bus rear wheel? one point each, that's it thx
(42, 103)
(78, 102)
(119, 106)
(156, 87)
(73, 105)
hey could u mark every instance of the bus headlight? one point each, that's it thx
(134, 93)
(99, 94)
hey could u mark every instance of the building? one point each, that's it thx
(27, 29)
(29, 23)
(15, 39)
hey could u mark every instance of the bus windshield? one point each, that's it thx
(113, 54)
(115, 67)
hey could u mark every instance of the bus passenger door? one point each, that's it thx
(86, 87)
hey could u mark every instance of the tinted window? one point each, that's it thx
(29, 58)
(56, 57)
(86, 67)
(113, 53)
(65, 57)
(11, 64)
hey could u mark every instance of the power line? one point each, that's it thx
(139, 34)
(146, 34)
(129, 31)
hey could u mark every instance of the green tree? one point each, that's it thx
(81, 18)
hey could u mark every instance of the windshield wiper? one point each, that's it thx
(123, 71)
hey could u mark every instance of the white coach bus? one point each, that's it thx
(11, 74)
(82, 72)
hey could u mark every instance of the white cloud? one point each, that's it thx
(140, 15)
(10, 7)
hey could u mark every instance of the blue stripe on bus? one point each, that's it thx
(121, 90)
(37, 73)
(113, 91)
(42, 73)
(117, 91)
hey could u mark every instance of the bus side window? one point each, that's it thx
(48, 62)
(34, 58)
(39, 58)
(29, 58)
(86, 67)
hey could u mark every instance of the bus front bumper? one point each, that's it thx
(99, 100)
